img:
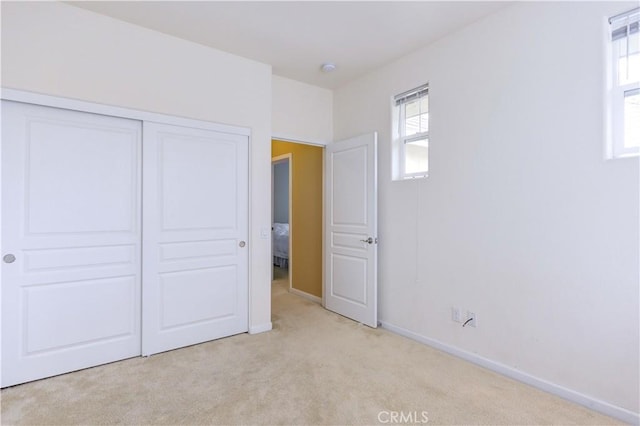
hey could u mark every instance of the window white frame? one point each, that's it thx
(400, 139)
(618, 28)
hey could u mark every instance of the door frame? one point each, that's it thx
(115, 111)
(280, 159)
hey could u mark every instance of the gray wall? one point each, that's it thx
(281, 192)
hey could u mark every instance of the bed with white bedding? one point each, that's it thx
(281, 244)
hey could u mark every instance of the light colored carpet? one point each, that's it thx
(315, 367)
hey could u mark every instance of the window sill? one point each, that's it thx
(409, 178)
(623, 156)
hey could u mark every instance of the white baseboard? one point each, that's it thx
(306, 295)
(603, 407)
(261, 328)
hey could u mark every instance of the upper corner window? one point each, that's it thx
(411, 133)
(625, 85)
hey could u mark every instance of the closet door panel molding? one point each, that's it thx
(195, 258)
(71, 202)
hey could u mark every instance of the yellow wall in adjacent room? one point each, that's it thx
(306, 214)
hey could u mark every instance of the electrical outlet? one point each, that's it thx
(472, 318)
(455, 314)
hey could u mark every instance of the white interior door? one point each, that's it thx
(351, 229)
(70, 241)
(195, 257)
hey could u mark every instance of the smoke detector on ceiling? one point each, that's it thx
(328, 67)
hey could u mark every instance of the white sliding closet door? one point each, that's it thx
(195, 257)
(70, 240)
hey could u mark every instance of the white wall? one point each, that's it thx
(61, 50)
(301, 112)
(521, 220)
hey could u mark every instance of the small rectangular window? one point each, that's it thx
(624, 97)
(411, 133)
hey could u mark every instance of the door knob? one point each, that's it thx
(368, 240)
(242, 244)
(9, 258)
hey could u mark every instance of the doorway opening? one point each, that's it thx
(281, 218)
(297, 201)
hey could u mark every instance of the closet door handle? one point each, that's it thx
(368, 240)
(242, 244)
(9, 258)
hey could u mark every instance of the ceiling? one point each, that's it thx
(297, 37)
